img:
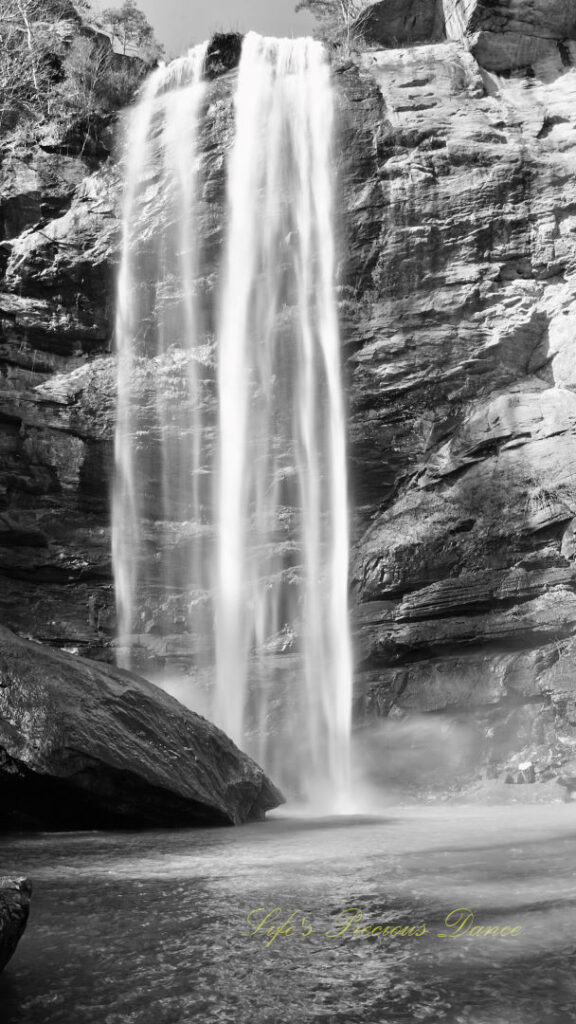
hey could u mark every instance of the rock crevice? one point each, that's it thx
(458, 309)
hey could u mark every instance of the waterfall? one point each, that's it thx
(244, 539)
(159, 460)
(281, 485)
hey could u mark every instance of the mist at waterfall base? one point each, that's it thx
(400, 759)
(230, 506)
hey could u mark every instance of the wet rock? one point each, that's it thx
(521, 704)
(86, 746)
(223, 53)
(15, 896)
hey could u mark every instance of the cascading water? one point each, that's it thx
(269, 593)
(159, 461)
(281, 486)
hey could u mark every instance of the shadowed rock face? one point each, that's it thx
(57, 385)
(14, 908)
(401, 22)
(223, 53)
(458, 312)
(85, 746)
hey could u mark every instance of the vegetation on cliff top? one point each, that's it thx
(339, 21)
(58, 65)
(130, 26)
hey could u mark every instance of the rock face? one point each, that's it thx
(507, 34)
(14, 909)
(503, 35)
(57, 383)
(85, 746)
(401, 22)
(463, 394)
(458, 315)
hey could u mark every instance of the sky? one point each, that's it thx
(179, 24)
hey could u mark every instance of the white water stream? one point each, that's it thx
(159, 335)
(263, 577)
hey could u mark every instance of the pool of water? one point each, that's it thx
(343, 920)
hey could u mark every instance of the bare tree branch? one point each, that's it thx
(24, 15)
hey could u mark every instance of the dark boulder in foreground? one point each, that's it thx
(83, 745)
(14, 908)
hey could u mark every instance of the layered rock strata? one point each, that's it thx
(462, 395)
(458, 311)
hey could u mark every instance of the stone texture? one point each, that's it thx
(57, 390)
(498, 709)
(85, 746)
(458, 311)
(551, 19)
(14, 909)
(35, 185)
(508, 34)
(504, 35)
(463, 389)
(401, 22)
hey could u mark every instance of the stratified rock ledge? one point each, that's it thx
(14, 908)
(83, 745)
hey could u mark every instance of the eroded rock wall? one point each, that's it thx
(463, 408)
(509, 34)
(60, 254)
(502, 35)
(458, 306)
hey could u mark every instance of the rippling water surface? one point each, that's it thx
(153, 928)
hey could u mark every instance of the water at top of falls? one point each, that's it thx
(282, 500)
(230, 510)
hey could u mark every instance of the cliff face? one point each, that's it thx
(463, 373)
(58, 229)
(457, 169)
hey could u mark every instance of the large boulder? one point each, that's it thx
(401, 22)
(14, 908)
(507, 34)
(86, 746)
